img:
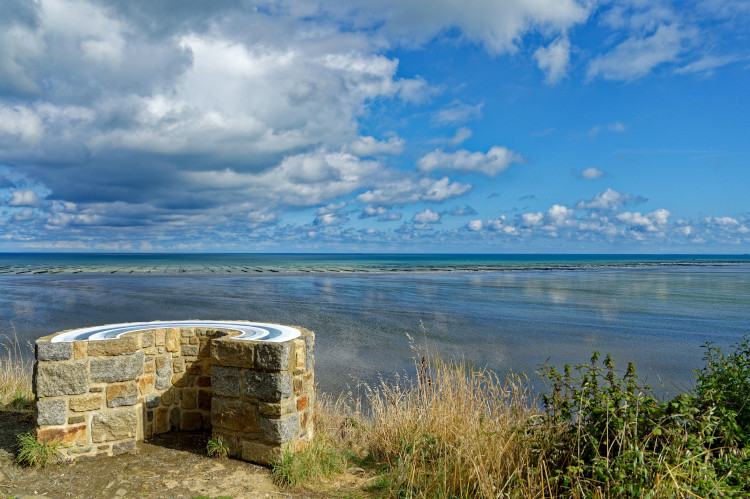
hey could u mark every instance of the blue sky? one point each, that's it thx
(375, 126)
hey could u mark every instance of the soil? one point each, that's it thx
(169, 466)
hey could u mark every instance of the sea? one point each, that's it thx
(508, 313)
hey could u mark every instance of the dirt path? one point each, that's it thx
(171, 466)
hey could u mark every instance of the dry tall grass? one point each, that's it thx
(15, 372)
(452, 430)
(457, 431)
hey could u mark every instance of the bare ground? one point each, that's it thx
(170, 466)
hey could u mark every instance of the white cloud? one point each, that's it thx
(558, 216)
(19, 124)
(638, 55)
(331, 208)
(496, 160)
(213, 120)
(328, 219)
(499, 26)
(373, 211)
(475, 225)
(415, 90)
(554, 59)
(462, 134)
(381, 212)
(24, 198)
(707, 64)
(18, 44)
(608, 200)
(726, 224)
(592, 172)
(259, 218)
(458, 113)
(427, 216)
(532, 219)
(369, 146)
(650, 222)
(407, 190)
(299, 180)
(501, 226)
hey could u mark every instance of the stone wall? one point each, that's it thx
(101, 397)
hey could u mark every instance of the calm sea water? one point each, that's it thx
(510, 312)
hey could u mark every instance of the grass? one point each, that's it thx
(15, 373)
(453, 429)
(36, 453)
(319, 459)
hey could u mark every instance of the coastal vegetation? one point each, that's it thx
(454, 429)
(15, 372)
(36, 453)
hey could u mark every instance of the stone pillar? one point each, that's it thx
(262, 395)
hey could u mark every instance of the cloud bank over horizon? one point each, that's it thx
(379, 126)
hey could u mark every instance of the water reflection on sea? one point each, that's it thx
(657, 316)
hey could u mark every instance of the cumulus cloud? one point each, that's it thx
(500, 225)
(496, 160)
(330, 218)
(592, 172)
(570, 226)
(149, 120)
(382, 214)
(369, 146)
(410, 190)
(24, 198)
(202, 97)
(650, 222)
(19, 124)
(727, 224)
(427, 216)
(554, 59)
(498, 26)
(608, 200)
(373, 211)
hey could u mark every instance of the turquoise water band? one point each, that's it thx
(255, 331)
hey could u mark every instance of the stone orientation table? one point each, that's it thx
(100, 390)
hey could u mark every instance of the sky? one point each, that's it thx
(427, 126)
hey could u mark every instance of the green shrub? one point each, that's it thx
(618, 439)
(36, 453)
(724, 384)
(723, 388)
